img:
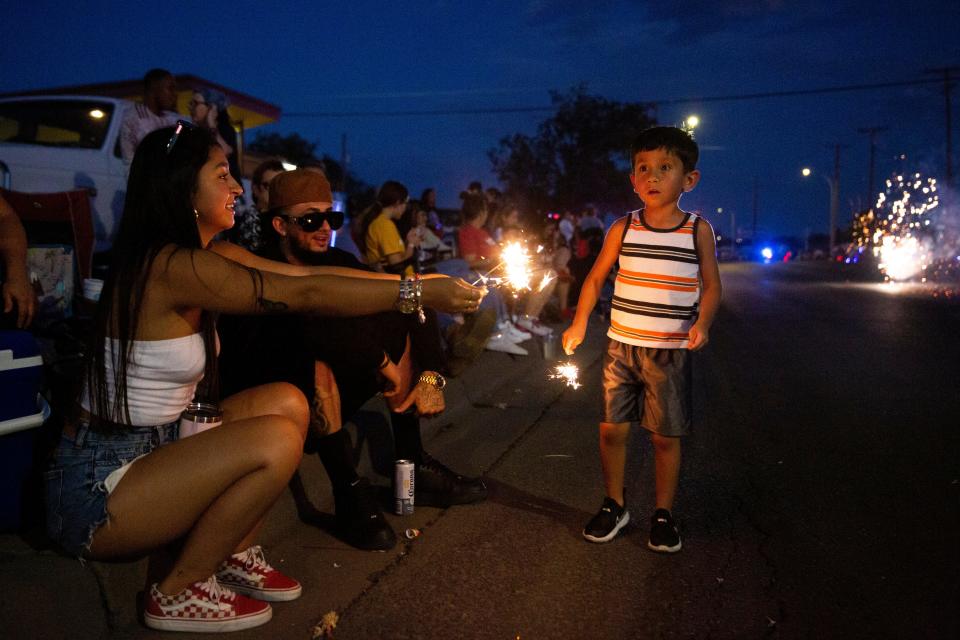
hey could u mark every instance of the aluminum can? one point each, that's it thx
(403, 478)
(199, 416)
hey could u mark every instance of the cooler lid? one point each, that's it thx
(22, 344)
(19, 350)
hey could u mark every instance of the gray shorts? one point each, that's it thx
(649, 386)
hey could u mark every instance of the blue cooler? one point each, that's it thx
(22, 413)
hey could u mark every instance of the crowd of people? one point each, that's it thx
(254, 310)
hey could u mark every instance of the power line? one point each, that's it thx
(542, 109)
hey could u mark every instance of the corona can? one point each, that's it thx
(403, 478)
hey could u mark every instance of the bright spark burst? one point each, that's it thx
(548, 277)
(516, 266)
(568, 372)
(906, 231)
(901, 258)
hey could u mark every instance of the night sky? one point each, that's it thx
(363, 56)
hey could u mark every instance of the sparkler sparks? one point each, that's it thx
(515, 266)
(548, 276)
(568, 372)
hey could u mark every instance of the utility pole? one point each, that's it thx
(947, 86)
(835, 194)
(872, 132)
(756, 202)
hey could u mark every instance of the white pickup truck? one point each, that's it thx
(60, 143)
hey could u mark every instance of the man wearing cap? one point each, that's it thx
(389, 352)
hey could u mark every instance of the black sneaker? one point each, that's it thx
(437, 486)
(604, 526)
(664, 536)
(359, 520)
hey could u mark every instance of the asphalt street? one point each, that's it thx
(818, 494)
(818, 499)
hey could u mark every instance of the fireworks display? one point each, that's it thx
(908, 232)
(568, 372)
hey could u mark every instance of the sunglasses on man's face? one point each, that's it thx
(313, 219)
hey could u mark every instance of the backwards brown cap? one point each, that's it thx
(298, 186)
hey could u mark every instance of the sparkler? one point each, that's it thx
(568, 372)
(515, 265)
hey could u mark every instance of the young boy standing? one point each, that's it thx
(666, 295)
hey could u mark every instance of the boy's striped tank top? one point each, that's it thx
(657, 290)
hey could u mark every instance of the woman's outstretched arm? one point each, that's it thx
(189, 278)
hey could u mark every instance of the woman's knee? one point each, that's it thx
(288, 401)
(283, 442)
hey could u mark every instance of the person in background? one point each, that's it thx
(428, 199)
(121, 482)
(246, 230)
(568, 224)
(507, 218)
(158, 109)
(589, 221)
(495, 206)
(378, 237)
(556, 255)
(19, 300)
(208, 108)
(432, 248)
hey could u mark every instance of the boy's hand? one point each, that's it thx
(572, 338)
(698, 337)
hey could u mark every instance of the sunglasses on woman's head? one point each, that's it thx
(313, 219)
(180, 127)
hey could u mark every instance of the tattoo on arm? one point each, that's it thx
(271, 305)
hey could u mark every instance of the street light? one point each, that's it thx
(834, 185)
(691, 122)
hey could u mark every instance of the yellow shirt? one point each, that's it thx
(382, 240)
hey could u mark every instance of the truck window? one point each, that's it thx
(81, 124)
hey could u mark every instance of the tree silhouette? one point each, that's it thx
(579, 155)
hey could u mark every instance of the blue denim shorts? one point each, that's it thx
(75, 490)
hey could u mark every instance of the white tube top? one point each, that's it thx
(162, 377)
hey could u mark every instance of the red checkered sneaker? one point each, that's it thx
(204, 607)
(249, 573)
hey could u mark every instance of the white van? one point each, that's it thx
(61, 143)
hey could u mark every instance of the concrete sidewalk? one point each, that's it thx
(48, 595)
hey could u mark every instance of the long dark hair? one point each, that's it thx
(158, 211)
(390, 193)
